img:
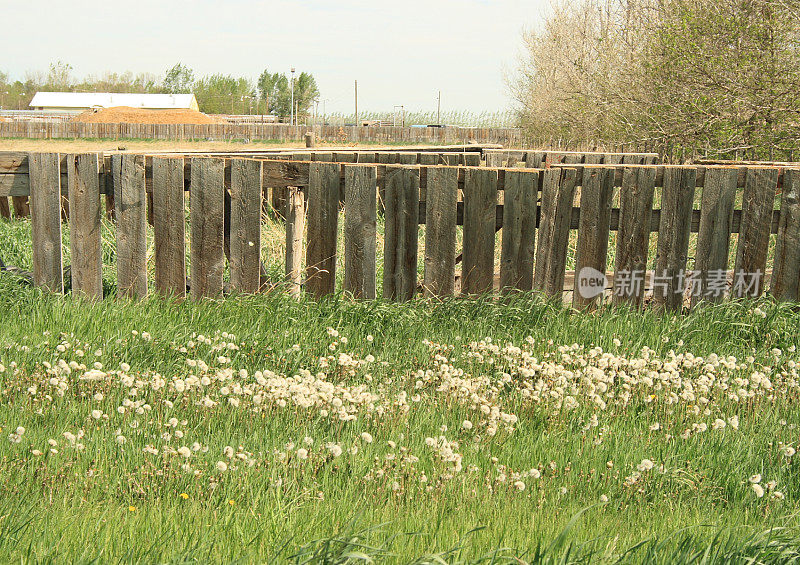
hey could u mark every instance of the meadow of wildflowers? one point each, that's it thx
(464, 431)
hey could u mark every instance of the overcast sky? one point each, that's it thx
(401, 52)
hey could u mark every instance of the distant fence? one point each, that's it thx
(535, 208)
(282, 132)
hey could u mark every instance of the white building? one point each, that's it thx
(81, 101)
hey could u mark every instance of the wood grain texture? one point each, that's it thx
(785, 284)
(519, 231)
(633, 238)
(597, 195)
(21, 207)
(206, 218)
(400, 254)
(751, 254)
(130, 209)
(713, 239)
(440, 231)
(360, 212)
(86, 254)
(323, 223)
(5, 209)
(245, 242)
(45, 182)
(673, 237)
(558, 193)
(169, 226)
(480, 202)
(295, 230)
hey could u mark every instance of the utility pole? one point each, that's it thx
(356, 103)
(291, 119)
(439, 110)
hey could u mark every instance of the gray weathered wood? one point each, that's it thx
(480, 202)
(785, 283)
(169, 226)
(751, 254)
(440, 231)
(673, 238)
(323, 222)
(45, 182)
(130, 209)
(86, 254)
(597, 195)
(295, 229)
(360, 230)
(519, 230)
(246, 191)
(558, 193)
(713, 239)
(206, 219)
(633, 238)
(400, 235)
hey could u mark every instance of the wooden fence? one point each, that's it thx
(535, 208)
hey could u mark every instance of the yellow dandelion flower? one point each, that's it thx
(131, 509)
(184, 496)
(231, 501)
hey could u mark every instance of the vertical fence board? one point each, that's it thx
(597, 195)
(440, 231)
(86, 257)
(558, 193)
(44, 170)
(131, 215)
(751, 254)
(400, 238)
(673, 237)
(786, 269)
(714, 234)
(360, 230)
(295, 228)
(633, 238)
(480, 217)
(206, 216)
(169, 226)
(519, 230)
(245, 258)
(323, 222)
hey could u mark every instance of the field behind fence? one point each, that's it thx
(465, 228)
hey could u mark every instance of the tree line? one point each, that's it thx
(270, 93)
(718, 78)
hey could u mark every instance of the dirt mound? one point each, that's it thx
(128, 115)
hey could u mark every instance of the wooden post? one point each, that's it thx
(558, 194)
(206, 216)
(245, 254)
(440, 231)
(21, 207)
(360, 230)
(44, 170)
(169, 226)
(5, 211)
(786, 268)
(480, 217)
(131, 214)
(751, 254)
(401, 232)
(519, 230)
(83, 181)
(310, 141)
(597, 195)
(323, 222)
(295, 228)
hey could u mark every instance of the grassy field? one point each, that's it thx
(268, 429)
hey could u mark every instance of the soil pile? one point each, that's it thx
(128, 115)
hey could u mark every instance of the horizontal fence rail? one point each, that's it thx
(539, 212)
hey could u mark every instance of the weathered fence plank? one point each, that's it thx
(673, 238)
(246, 191)
(633, 237)
(751, 254)
(360, 210)
(714, 235)
(5, 210)
(169, 226)
(785, 283)
(558, 193)
(295, 230)
(480, 202)
(323, 222)
(400, 237)
(440, 231)
(131, 215)
(206, 217)
(86, 254)
(519, 230)
(594, 226)
(45, 182)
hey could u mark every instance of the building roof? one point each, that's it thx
(110, 99)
